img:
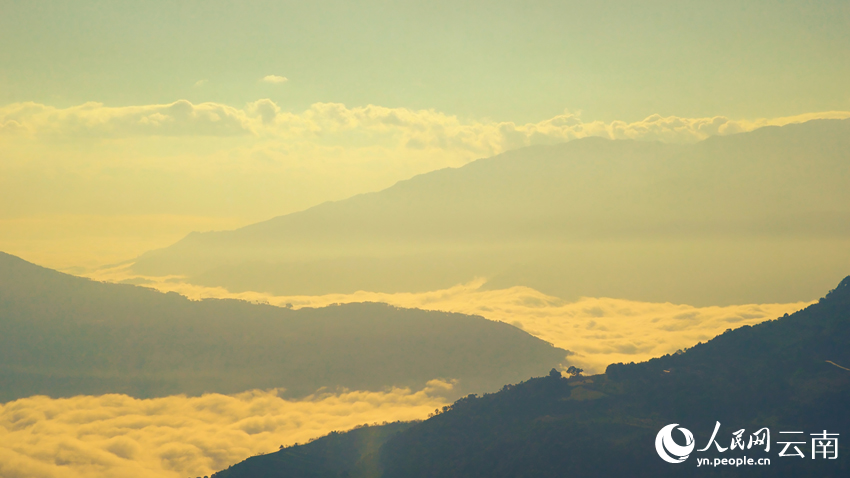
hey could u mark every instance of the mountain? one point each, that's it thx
(788, 374)
(352, 454)
(728, 220)
(62, 335)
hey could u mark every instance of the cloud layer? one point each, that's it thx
(119, 436)
(177, 436)
(600, 331)
(337, 123)
(96, 120)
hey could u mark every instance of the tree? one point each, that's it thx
(574, 371)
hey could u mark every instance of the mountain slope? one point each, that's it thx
(700, 224)
(62, 335)
(352, 454)
(780, 374)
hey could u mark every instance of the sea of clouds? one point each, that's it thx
(169, 437)
(598, 330)
(112, 436)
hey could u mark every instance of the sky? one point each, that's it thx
(126, 125)
(504, 60)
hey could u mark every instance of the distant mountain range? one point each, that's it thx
(784, 375)
(62, 335)
(762, 217)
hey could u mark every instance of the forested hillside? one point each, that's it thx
(788, 374)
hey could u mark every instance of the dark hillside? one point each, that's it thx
(62, 335)
(353, 454)
(772, 375)
(786, 375)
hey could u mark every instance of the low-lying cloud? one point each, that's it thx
(119, 436)
(600, 331)
(170, 437)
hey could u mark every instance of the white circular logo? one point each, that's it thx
(665, 446)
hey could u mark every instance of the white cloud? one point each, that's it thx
(173, 437)
(265, 109)
(200, 83)
(274, 79)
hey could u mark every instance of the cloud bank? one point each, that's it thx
(119, 436)
(600, 331)
(178, 436)
(94, 120)
(371, 124)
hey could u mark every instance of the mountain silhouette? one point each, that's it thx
(788, 374)
(728, 220)
(62, 335)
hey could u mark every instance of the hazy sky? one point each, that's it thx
(506, 60)
(125, 125)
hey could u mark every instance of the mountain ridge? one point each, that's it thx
(775, 374)
(62, 335)
(591, 217)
